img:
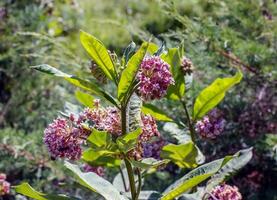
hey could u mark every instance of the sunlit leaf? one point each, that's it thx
(84, 98)
(155, 112)
(128, 75)
(96, 183)
(183, 155)
(26, 190)
(213, 94)
(99, 54)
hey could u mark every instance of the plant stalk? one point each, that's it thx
(190, 124)
(127, 162)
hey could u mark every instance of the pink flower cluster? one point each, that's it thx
(186, 65)
(149, 128)
(154, 78)
(98, 170)
(64, 137)
(63, 140)
(211, 125)
(4, 185)
(225, 192)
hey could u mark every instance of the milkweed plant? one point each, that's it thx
(120, 131)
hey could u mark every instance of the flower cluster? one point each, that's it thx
(225, 192)
(4, 185)
(149, 130)
(153, 149)
(154, 77)
(98, 170)
(211, 125)
(63, 140)
(186, 65)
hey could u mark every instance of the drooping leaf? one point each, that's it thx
(95, 183)
(193, 178)
(26, 190)
(183, 155)
(99, 54)
(84, 98)
(239, 160)
(213, 94)
(128, 141)
(150, 164)
(173, 58)
(128, 75)
(156, 113)
(84, 84)
(129, 51)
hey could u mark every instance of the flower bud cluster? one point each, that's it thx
(4, 185)
(154, 78)
(187, 66)
(225, 192)
(211, 125)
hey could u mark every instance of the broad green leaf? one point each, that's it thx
(96, 183)
(107, 158)
(239, 160)
(213, 94)
(128, 142)
(152, 48)
(156, 113)
(128, 75)
(84, 98)
(182, 136)
(26, 190)
(99, 54)
(100, 139)
(183, 155)
(84, 84)
(193, 178)
(173, 58)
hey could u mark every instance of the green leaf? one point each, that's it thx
(173, 58)
(100, 139)
(239, 160)
(106, 158)
(128, 142)
(193, 178)
(26, 190)
(156, 113)
(213, 94)
(183, 155)
(84, 98)
(84, 84)
(128, 75)
(99, 54)
(96, 183)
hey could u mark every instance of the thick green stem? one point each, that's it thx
(139, 184)
(190, 124)
(127, 162)
(131, 178)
